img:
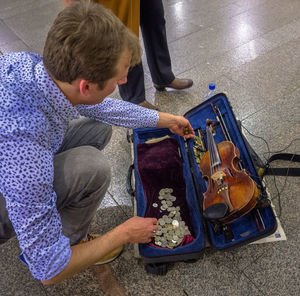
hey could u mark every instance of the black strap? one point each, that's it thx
(293, 172)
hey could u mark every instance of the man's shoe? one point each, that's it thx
(177, 83)
(146, 104)
(110, 256)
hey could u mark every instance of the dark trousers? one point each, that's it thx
(153, 27)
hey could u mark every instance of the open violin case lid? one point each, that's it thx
(155, 168)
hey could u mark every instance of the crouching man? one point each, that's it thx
(55, 120)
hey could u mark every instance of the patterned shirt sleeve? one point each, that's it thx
(118, 112)
(26, 171)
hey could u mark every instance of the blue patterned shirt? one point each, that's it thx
(34, 116)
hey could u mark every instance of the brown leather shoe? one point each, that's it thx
(177, 83)
(146, 104)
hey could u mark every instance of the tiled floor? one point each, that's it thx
(251, 50)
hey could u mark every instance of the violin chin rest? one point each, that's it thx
(216, 211)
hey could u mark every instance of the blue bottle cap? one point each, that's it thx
(212, 86)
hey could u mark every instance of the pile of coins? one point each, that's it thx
(171, 227)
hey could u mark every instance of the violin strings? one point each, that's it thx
(209, 149)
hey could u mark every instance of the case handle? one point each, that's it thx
(129, 188)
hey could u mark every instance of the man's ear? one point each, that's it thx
(84, 87)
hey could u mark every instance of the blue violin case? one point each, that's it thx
(190, 185)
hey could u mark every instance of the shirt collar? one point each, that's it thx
(53, 94)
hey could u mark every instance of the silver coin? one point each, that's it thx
(169, 220)
(168, 196)
(158, 232)
(163, 208)
(163, 240)
(155, 205)
(178, 216)
(175, 223)
(175, 237)
(162, 222)
(163, 191)
(177, 231)
(169, 203)
(186, 232)
(171, 214)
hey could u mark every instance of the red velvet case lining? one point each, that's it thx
(160, 166)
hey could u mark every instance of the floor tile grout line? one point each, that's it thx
(16, 34)
(251, 281)
(118, 205)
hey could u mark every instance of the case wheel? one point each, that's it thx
(157, 268)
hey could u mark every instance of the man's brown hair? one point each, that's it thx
(86, 41)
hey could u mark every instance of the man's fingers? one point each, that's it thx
(154, 221)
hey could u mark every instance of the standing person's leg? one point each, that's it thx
(152, 22)
(134, 90)
(153, 27)
(82, 175)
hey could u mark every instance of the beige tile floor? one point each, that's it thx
(251, 50)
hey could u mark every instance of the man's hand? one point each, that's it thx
(176, 124)
(134, 230)
(139, 230)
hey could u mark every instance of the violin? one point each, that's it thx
(231, 192)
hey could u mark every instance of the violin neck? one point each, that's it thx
(213, 150)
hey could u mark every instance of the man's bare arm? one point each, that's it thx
(134, 230)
